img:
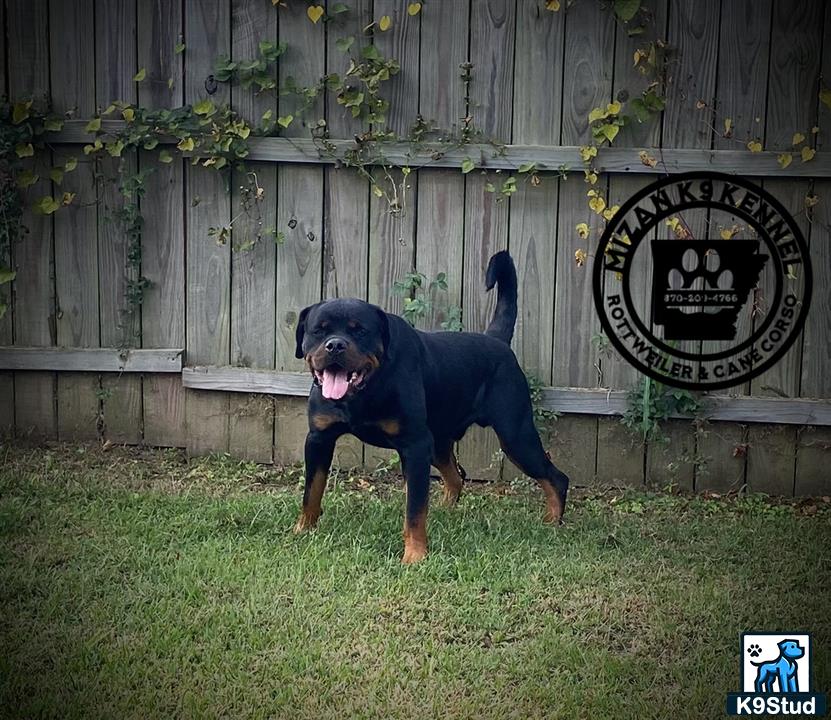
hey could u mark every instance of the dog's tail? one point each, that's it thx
(501, 271)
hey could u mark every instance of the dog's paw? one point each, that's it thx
(754, 650)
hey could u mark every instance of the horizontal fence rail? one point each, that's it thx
(165, 360)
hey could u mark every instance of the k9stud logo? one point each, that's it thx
(702, 280)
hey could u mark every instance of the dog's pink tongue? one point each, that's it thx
(335, 384)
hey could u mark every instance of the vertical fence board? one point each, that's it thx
(76, 227)
(486, 220)
(251, 418)
(401, 42)
(771, 458)
(721, 452)
(160, 27)
(813, 456)
(115, 66)
(207, 28)
(670, 462)
(33, 288)
(300, 193)
(6, 335)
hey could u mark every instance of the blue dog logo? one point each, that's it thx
(782, 670)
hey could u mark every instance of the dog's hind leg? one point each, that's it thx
(452, 474)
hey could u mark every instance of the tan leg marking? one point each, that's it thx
(390, 426)
(553, 506)
(415, 539)
(323, 421)
(451, 478)
(311, 511)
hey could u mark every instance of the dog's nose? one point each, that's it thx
(335, 346)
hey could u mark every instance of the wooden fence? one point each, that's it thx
(535, 76)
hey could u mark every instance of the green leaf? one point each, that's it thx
(370, 52)
(23, 150)
(6, 275)
(70, 164)
(339, 8)
(151, 143)
(165, 156)
(46, 205)
(114, 148)
(179, 48)
(186, 144)
(627, 9)
(343, 44)
(94, 125)
(285, 120)
(467, 165)
(204, 107)
(56, 174)
(609, 131)
(26, 178)
(527, 167)
(20, 111)
(53, 124)
(140, 75)
(825, 97)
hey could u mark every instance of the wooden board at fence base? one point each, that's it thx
(115, 66)
(159, 28)
(208, 310)
(251, 419)
(813, 458)
(771, 459)
(290, 428)
(720, 457)
(573, 448)
(670, 463)
(620, 454)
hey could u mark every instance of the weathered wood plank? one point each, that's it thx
(402, 42)
(693, 30)
(620, 454)
(253, 312)
(208, 312)
(300, 205)
(721, 453)
(771, 459)
(34, 291)
(75, 227)
(813, 457)
(671, 159)
(816, 379)
(742, 91)
(160, 27)
(670, 462)
(574, 448)
(115, 66)
(6, 379)
(113, 360)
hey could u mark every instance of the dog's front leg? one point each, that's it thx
(320, 447)
(415, 462)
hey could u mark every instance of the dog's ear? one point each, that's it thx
(385, 333)
(301, 331)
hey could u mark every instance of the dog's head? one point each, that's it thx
(344, 343)
(791, 649)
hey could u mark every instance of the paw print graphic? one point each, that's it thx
(754, 650)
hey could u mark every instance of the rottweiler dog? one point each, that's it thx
(417, 392)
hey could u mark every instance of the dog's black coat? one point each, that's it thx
(425, 391)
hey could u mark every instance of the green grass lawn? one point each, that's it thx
(138, 584)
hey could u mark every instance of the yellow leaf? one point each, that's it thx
(754, 146)
(727, 233)
(377, 191)
(140, 75)
(315, 12)
(580, 257)
(93, 125)
(808, 153)
(784, 160)
(597, 204)
(591, 177)
(798, 138)
(587, 152)
(811, 200)
(385, 23)
(185, 144)
(414, 8)
(609, 213)
(552, 5)
(597, 114)
(728, 127)
(582, 230)
(814, 130)
(638, 55)
(613, 108)
(647, 159)
(67, 198)
(610, 131)
(23, 150)
(825, 97)
(128, 114)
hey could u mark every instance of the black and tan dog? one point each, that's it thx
(395, 387)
